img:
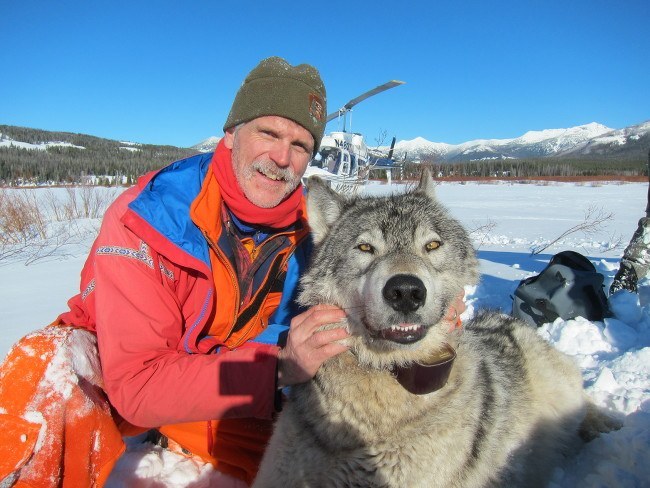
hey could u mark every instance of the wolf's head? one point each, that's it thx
(393, 263)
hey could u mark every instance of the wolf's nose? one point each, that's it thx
(405, 293)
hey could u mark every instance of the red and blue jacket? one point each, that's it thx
(176, 343)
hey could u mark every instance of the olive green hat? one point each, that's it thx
(274, 87)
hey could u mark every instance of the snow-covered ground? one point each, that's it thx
(40, 146)
(507, 220)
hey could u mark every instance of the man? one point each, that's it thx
(196, 262)
(189, 290)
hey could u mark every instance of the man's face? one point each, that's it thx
(269, 156)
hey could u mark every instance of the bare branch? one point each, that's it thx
(35, 228)
(594, 218)
(482, 232)
(379, 140)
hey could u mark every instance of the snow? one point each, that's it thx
(506, 221)
(579, 133)
(616, 138)
(316, 171)
(150, 466)
(41, 146)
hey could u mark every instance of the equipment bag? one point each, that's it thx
(568, 287)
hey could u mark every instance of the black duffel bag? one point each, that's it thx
(568, 287)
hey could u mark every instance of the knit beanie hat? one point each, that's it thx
(274, 87)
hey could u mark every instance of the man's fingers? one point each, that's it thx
(308, 347)
(324, 345)
(332, 349)
(324, 337)
(316, 317)
(326, 314)
(456, 308)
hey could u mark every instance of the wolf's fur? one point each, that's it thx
(512, 404)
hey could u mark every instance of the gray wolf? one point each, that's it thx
(377, 416)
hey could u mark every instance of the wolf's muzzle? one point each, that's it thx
(405, 293)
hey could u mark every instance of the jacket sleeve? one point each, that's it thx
(149, 379)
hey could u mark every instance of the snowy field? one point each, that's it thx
(507, 221)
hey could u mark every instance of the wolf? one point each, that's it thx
(416, 402)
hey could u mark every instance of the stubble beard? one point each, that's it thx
(247, 173)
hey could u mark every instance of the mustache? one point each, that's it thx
(268, 167)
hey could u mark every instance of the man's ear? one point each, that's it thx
(229, 137)
(324, 206)
(426, 185)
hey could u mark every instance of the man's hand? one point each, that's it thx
(456, 308)
(307, 347)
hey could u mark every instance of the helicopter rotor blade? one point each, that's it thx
(345, 108)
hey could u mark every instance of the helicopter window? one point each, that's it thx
(330, 164)
(345, 166)
(329, 159)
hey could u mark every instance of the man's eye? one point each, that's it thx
(364, 247)
(430, 246)
(268, 133)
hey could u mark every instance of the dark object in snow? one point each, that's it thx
(635, 263)
(568, 287)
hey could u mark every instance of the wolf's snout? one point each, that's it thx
(405, 293)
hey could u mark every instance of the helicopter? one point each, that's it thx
(343, 158)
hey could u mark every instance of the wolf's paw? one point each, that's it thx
(597, 422)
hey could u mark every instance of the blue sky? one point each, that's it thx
(166, 72)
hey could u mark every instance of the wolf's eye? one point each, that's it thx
(365, 247)
(430, 246)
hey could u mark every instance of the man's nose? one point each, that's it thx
(280, 153)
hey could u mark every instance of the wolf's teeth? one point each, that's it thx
(404, 328)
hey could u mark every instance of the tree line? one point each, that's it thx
(516, 168)
(111, 161)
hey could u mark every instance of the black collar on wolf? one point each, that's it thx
(420, 379)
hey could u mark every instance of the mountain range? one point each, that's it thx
(592, 140)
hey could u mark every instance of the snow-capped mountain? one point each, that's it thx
(584, 140)
(207, 145)
(617, 142)
(590, 139)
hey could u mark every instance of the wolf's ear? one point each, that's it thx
(427, 185)
(323, 207)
